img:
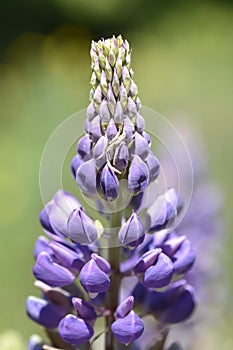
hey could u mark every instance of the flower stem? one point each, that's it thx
(113, 293)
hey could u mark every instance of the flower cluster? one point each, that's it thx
(143, 274)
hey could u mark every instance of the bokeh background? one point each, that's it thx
(183, 63)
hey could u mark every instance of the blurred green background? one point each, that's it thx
(183, 63)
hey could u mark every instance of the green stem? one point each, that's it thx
(114, 260)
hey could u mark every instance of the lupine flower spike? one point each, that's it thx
(141, 276)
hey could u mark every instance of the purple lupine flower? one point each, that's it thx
(44, 312)
(81, 229)
(132, 232)
(93, 277)
(75, 330)
(80, 280)
(127, 329)
(48, 271)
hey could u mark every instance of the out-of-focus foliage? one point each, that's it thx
(183, 58)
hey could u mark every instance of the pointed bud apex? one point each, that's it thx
(128, 128)
(103, 83)
(99, 151)
(84, 310)
(111, 130)
(86, 177)
(50, 272)
(133, 88)
(125, 307)
(95, 131)
(111, 100)
(147, 260)
(119, 114)
(132, 108)
(102, 263)
(160, 274)
(98, 95)
(112, 58)
(138, 178)
(119, 66)
(147, 137)
(132, 232)
(104, 112)
(128, 329)
(108, 71)
(81, 229)
(123, 97)
(115, 84)
(121, 157)
(74, 330)
(109, 183)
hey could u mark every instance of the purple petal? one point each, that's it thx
(160, 274)
(95, 131)
(84, 310)
(86, 177)
(84, 146)
(141, 147)
(50, 272)
(74, 330)
(138, 177)
(183, 258)
(128, 329)
(109, 183)
(121, 157)
(153, 166)
(93, 279)
(147, 259)
(42, 245)
(131, 231)
(67, 257)
(75, 164)
(81, 229)
(43, 312)
(140, 123)
(111, 130)
(125, 307)
(102, 263)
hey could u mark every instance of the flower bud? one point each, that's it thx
(74, 330)
(104, 112)
(75, 164)
(99, 151)
(67, 257)
(174, 305)
(138, 177)
(53, 274)
(128, 328)
(42, 245)
(118, 114)
(44, 312)
(153, 166)
(183, 258)
(93, 278)
(132, 108)
(81, 229)
(95, 130)
(164, 210)
(91, 112)
(102, 263)
(86, 177)
(141, 147)
(84, 310)
(55, 214)
(160, 274)
(147, 260)
(111, 130)
(132, 232)
(84, 146)
(109, 183)
(140, 123)
(121, 157)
